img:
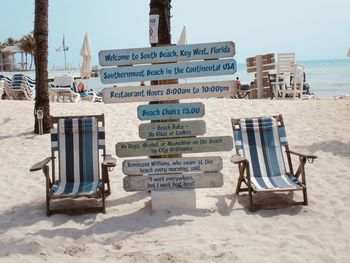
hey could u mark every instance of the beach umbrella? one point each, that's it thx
(349, 53)
(183, 37)
(86, 53)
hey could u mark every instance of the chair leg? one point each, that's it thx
(251, 205)
(239, 184)
(48, 212)
(105, 180)
(306, 202)
(302, 168)
(241, 168)
(46, 171)
(103, 199)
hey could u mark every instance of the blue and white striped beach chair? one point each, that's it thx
(259, 144)
(78, 142)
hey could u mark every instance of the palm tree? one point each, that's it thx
(2, 45)
(10, 42)
(27, 44)
(41, 29)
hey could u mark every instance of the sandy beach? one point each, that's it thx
(221, 229)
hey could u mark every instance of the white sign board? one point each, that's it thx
(165, 54)
(171, 129)
(172, 165)
(174, 146)
(169, 92)
(172, 181)
(168, 71)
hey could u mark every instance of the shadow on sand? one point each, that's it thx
(334, 147)
(121, 226)
(266, 204)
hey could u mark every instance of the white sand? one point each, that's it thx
(220, 230)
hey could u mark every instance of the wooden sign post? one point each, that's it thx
(260, 64)
(170, 137)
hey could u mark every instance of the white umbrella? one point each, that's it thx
(183, 37)
(349, 53)
(86, 53)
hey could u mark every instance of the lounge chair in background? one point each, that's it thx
(87, 95)
(6, 86)
(294, 89)
(22, 88)
(2, 84)
(284, 71)
(78, 142)
(62, 90)
(259, 155)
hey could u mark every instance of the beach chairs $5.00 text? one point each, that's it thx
(78, 141)
(259, 142)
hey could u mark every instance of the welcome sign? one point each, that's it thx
(165, 54)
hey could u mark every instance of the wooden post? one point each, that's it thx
(259, 77)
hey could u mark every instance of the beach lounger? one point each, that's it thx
(87, 95)
(6, 86)
(295, 88)
(62, 90)
(22, 87)
(259, 144)
(78, 142)
(284, 71)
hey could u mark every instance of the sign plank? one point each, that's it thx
(170, 111)
(169, 92)
(174, 146)
(168, 71)
(172, 181)
(172, 129)
(122, 57)
(172, 165)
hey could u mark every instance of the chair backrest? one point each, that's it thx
(77, 140)
(286, 62)
(260, 141)
(298, 76)
(64, 81)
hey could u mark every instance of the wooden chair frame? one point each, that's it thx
(245, 175)
(108, 163)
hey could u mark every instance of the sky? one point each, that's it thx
(313, 29)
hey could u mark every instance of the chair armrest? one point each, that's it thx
(109, 161)
(238, 159)
(40, 165)
(307, 156)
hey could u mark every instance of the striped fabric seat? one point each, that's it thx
(77, 141)
(260, 141)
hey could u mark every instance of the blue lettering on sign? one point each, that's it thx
(168, 71)
(170, 111)
(114, 57)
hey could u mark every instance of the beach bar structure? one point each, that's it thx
(8, 58)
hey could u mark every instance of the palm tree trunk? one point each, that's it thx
(41, 39)
(26, 61)
(162, 8)
(31, 62)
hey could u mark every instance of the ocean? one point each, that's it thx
(326, 78)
